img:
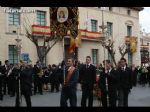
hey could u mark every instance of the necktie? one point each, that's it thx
(87, 66)
(108, 72)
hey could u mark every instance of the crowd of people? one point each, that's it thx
(111, 85)
(33, 79)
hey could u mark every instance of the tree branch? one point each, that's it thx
(51, 46)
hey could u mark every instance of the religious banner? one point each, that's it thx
(133, 44)
(64, 19)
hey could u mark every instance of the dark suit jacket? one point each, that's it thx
(88, 76)
(4, 70)
(25, 78)
(125, 78)
(113, 81)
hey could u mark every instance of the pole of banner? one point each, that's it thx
(104, 43)
(18, 96)
(106, 79)
(63, 58)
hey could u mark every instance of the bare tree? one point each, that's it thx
(123, 49)
(110, 48)
(48, 43)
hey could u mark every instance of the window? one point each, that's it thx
(129, 30)
(129, 12)
(110, 8)
(41, 18)
(129, 59)
(129, 33)
(109, 28)
(13, 56)
(109, 57)
(14, 17)
(95, 56)
(94, 25)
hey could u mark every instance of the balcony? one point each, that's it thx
(85, 34)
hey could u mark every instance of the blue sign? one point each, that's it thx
(25, 57)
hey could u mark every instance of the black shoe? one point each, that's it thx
(34, 93)
(52, 90)
(1, 97)
(12, 95)
(57, 91)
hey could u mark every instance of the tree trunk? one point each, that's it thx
(114, 61)
(112, 56)
(41, 55)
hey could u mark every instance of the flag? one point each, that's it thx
(133, 44)
(72, 45)
(78, 39)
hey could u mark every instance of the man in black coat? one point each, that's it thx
(26, 84)
(5, 77)
(88, 80)
(54, 79)
(108, 84)
(37, 70)
(134, 75)
(148, 75)
(12, 79)
(125, 83)
(1, 80)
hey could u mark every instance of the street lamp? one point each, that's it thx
(18, 91)
(18, 45)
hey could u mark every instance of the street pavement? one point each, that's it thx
(139, 96)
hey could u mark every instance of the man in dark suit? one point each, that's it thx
(25, 83)
(148, 75)
(5, 77)
(54, 79)
(1, 79)
(69, 87)
(37, 71)
(88, 80)
(108, 85)
(125, 83)
(134, 75)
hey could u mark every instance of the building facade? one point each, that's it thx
(145, 48)
(120, 22)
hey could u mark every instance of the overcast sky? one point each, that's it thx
(145, 19)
